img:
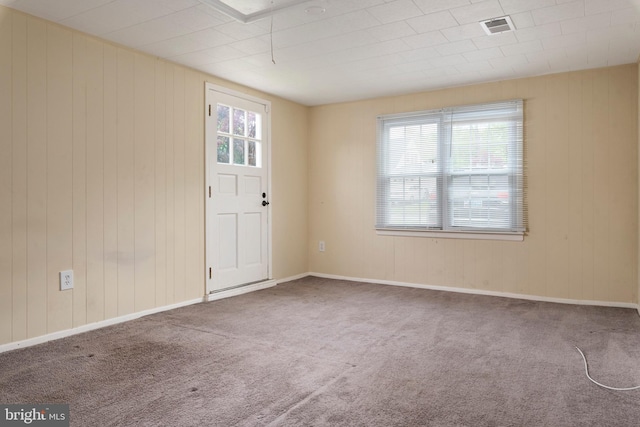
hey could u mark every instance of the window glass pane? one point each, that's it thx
(413, 201)
(396, 199)
(413, 149)
(430, 213)
(480, 201)
(238, 151)
(252, 153)
(223, 118)
(223, 149)
(480, 145)
(253, 125)
(239, 118)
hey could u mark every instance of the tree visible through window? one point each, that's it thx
(454, 169)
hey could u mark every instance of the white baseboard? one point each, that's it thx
(273, 282)
(108, 322)
(482, 292)
(92, 326)
(292, 278)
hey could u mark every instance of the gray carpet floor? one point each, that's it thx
(319, 352)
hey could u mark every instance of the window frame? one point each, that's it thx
(446, 118)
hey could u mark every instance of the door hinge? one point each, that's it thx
(209, 191)
(209, 110)
(210, 273)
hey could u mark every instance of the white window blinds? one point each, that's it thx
(454, 169)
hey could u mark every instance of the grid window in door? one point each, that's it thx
(239, 136)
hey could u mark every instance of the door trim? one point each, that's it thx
(209, 130)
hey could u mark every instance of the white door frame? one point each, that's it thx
(210, 132)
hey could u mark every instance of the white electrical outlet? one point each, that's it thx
(66, 280)
(321, 245)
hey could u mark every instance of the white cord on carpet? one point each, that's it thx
(586, 369)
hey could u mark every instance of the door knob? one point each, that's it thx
(265, 203)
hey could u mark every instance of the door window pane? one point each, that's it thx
(253, 125)
(252, 153)
(223, 118)
(238, 151)
(223, 149)
(239, 119)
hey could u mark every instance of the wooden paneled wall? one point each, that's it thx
(102, 172)
(581, 158)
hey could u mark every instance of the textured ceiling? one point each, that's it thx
(363, 48)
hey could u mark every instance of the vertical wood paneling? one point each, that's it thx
(170, 179)
(514, 267)
(110, 150)
(588, 200)
(400, 256)
(458, 262)
(95, 182)
(125, 166)
(623, 176)
(194, 155)
(469, 264)
(487, 275)
(160, 185)
(422, 247)
(437, 259)
(144, 189)
(351, 197)
(36, 178)
(290, 217)
(60, 169)
(179, 183)
(412, 255)
(535, 154)
(6, 172)
(319, 207)
(19, 176)
(448, 247)
(345, 196)
(575, 164)
(557, 181)
(601, 178)
(79, 179)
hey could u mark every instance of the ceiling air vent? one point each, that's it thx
(497, 25)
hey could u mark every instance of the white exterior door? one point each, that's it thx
(237, 131)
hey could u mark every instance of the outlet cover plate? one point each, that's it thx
(66, 280)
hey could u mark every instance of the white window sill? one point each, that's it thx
(439, 234)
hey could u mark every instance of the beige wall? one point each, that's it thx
(102, 171)
(581, 150)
